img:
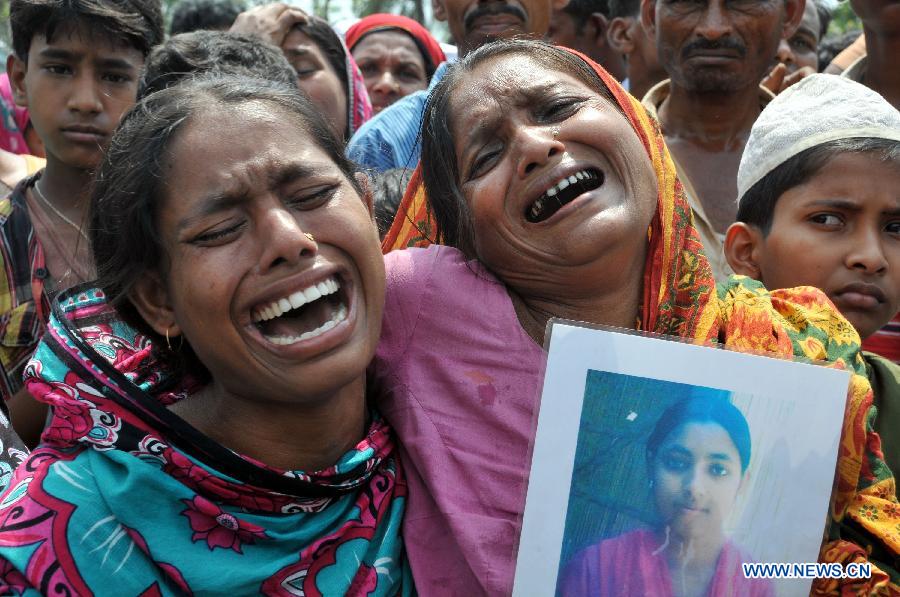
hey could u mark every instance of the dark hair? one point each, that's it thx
(440, 173)
(138, 23)
(624, 8)
(130, 189)
(716, 409)
(581, 10)
(824, 17)
(430, 66)
(196, 15)
(388, 188)
(757, 206)
(834, 44)
(214, 52)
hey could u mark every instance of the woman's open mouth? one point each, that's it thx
(563, 192)
(304, 314)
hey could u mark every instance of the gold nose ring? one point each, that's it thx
(309, 236)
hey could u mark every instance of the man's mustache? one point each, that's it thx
(493, 8)
(702, 45)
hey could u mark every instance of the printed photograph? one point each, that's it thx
(674, 487)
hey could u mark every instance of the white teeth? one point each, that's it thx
(312, 293)
(339, 315)
(538, 206)
(279, 307)
(298, 299)
(565, 182)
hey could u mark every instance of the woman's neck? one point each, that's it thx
(618, 307)
(284, 435)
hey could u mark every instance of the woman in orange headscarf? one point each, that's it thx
(559, 198)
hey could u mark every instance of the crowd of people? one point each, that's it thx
(276, 292)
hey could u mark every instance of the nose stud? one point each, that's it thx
(555, 131)
(309, 236)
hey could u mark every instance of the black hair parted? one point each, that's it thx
(832, 45)
(129, 191)
(213, 52)
(757, 206)
(824, 17)
(624, 8)
(440, 172)
(197, 15)
(137, 23)
(583, 9)
(388, 188)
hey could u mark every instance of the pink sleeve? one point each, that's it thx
(408, 275)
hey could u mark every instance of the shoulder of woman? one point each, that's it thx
(799, 322)
(417, 264)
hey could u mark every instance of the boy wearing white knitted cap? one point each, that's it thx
(819, 205)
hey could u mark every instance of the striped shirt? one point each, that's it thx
(22, 316)
(886, 341)
(391, 139)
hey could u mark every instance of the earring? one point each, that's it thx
(170, 345)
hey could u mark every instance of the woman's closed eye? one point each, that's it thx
(305, 70)
(559, 109)
(312, 198)
(219, 234)
(483, 162)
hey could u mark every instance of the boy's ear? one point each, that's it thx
(16, 69)
(793, 16)
(743, 242)
(151, 299)
(648, 17)
(367, 198)
(601, 26)
(618, 35)
(438, 10)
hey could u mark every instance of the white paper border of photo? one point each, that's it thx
(573, 350)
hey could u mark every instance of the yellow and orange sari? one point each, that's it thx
(680, 299)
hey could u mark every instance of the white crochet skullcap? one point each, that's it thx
(818, 109)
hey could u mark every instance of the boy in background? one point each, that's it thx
(820, 206)
(75, 66)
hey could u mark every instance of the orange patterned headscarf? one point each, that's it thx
(680, 299)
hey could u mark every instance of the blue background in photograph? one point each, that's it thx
(610, 492)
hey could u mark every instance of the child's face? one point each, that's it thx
(840, 232)
(76, 88)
